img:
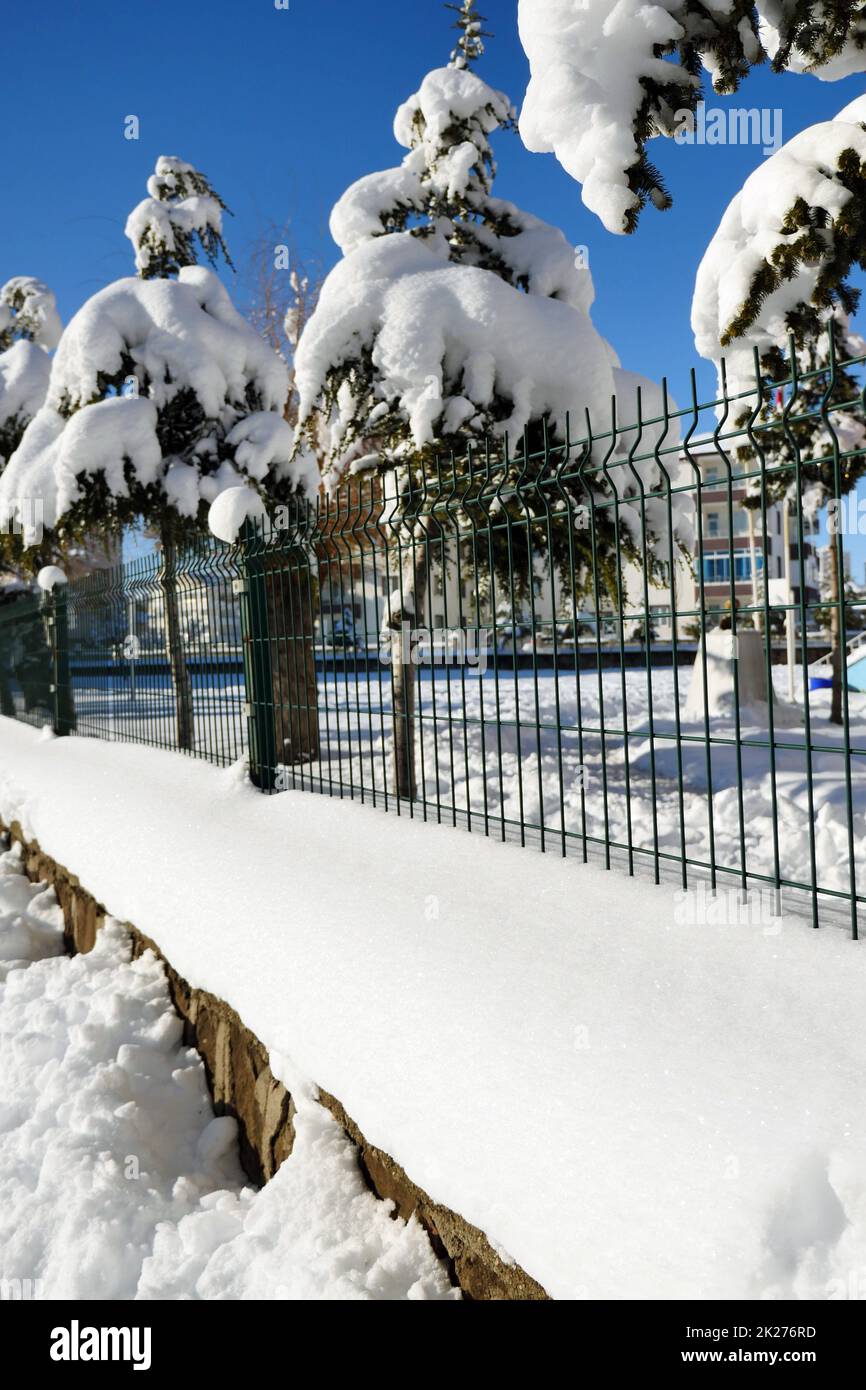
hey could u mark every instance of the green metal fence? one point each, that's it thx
(570, 641)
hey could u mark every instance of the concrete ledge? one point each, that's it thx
(242, 1084)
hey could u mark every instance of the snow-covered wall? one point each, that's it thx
(243, 1085)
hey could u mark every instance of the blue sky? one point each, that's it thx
(284, 108)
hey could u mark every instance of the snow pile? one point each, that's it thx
(314, 1232)
(170, 344)
(31, 923)
(445, 340)
(688, 1082)
(724, 691)
(116, 1180)
(757, 229)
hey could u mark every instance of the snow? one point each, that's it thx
(313, 1233)
(750, 232)
(172, 336)
(31, 922)
(154, 221)
(587, 64)
(850, 59)
(542, 256)
(590, 61)
(176, 333)
(448, 96)
(444, 94)
(99, 439)
(30, 325)
(264, 447)
(231, 509)
(116, 1180)
(29, 302)
(357, 215)
(750, 689)
(635, 1093)
(49, 577)
(24, 373)
(445, 336)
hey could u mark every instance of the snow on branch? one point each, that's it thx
(180, 212)
(28, 311)
(780, 259)
(470, 45)
(30, 328)
(607, 78)
(828, 41)
(455, 348)
(161, 395)
(24, 373)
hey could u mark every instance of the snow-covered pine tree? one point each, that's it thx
(161, 396)
(470, 45)
(606, 79)
(777, 272)
(29, 330)
(455, 316)
(181, 212)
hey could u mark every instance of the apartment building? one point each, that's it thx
(733, 543)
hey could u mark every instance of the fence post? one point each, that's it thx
(251, 588)
(52, 582)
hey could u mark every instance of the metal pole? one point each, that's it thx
(790, 619)
(133, 647)
(251, 588)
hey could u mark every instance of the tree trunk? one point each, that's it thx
(404, 674)
(293, 661)
(837, 597)
(180, 678)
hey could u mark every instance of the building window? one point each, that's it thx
(713, 524)
(717, 568)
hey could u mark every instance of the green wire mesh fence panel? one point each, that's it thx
(619, 644)
(152, 655)
(634, 642)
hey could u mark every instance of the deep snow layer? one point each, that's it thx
(630, 1105)
(116, 1179)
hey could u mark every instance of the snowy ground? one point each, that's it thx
(116, 1180)
(634, 1096)
(525, 750)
